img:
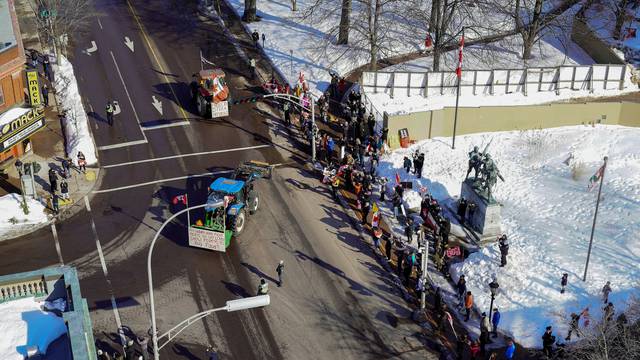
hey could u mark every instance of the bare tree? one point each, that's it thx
(620, 9)
(59, 20)
(609, 339)
(250, 10)
(345, 17)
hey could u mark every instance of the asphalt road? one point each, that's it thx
(147, 158)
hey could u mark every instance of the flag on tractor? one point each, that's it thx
(459, 68)
(179, 198)
(593, 180)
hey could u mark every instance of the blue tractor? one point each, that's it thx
(230, 199)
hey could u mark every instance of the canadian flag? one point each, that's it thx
(375, 220)
(179, 198)
(459, 68)
(397, 178)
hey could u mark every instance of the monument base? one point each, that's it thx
(486, 218)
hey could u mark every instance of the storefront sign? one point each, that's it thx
(34, 87)
(22, 134)
(206, 239)
(24, 120)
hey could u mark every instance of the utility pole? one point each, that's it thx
(595, 216)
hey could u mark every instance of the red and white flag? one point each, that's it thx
(397, 179)
(375, 220)
(459, 68)
(179, 198)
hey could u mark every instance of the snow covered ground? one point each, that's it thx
(76, 127)
(24, 324)
(547, 213)
(13, 219)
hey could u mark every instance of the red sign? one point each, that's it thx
(454, 251)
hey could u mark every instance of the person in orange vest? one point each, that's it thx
(468, 304)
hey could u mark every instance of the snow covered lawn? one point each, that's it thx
(547, 214)
(23, 324)
(13, 219)
(76, 126)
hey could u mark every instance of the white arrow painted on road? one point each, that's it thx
(129, 43)
(157, 104)
(93, 48)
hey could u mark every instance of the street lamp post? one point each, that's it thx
(232, 305)
(493, 287)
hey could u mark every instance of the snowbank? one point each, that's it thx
(13, 219)
(547, 213)
(76, 125)
(24, 324)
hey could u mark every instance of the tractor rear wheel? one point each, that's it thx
(254, 207)
(237, 224)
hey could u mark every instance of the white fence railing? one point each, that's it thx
(499, 81)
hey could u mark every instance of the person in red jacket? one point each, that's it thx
(475, 349)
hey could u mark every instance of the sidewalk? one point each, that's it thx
(48, 143)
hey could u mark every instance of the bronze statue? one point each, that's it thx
(490, 176)
(475, 160)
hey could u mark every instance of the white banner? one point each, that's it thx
(206, 239)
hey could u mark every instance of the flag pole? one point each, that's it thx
(459, 75)
(595, 216)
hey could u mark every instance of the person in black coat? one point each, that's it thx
(563, 282)
(548, 339)
(504, 250)
(53, 180)
(462, 209)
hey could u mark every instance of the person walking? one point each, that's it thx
(109, 109)
(54, 204)
(406, 164)
(387, 248)
(468, 304)
(495, 321)
(548, 339)
(607, 312)
(64, 190)
(256, 37)
(605, 292)
(408, 230)
(129, 350)
(510, 351)
(280, 271)
(46, 67)
(252, 63)
(45, 94)
(53, 181)
(586, 316)
(573, 326)
(462, 289)
(484, 332)
(144, 347)
(82, 162)
(66, 168)
(419, 164)
(504, 250)
(563, 282)
(263, 288)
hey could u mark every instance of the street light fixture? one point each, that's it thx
(493, 287)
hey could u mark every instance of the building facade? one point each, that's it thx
(17, 122)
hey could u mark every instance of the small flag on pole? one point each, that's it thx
(397, 179)
(593, 180)
(459, 68)
(179, 198)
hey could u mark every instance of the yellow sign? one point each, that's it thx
(24, 120)
(34, 87)
(375, 207)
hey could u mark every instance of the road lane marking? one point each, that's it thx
(124, 144)
(135, 113)
(55, 238)
(160, 181)
(155, 127)
(164, 72)
(100, 24)
(114, 305)
(187, 155)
